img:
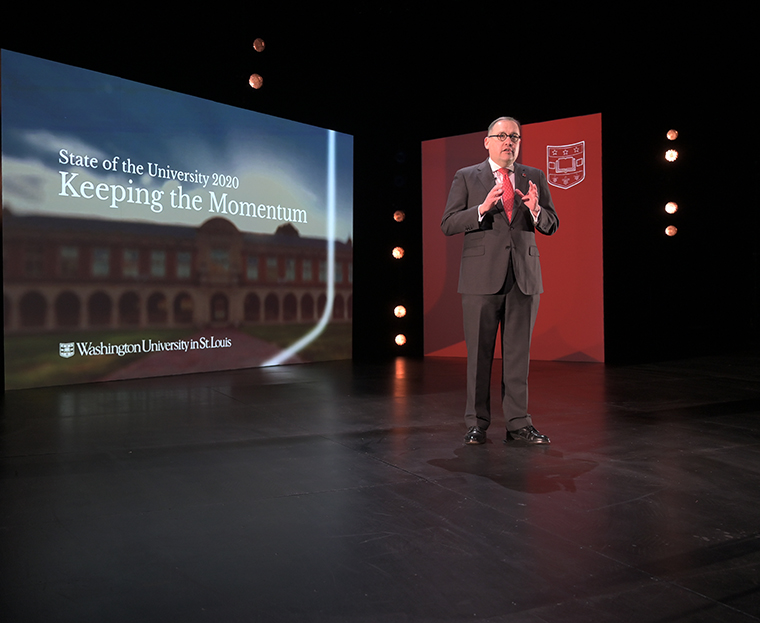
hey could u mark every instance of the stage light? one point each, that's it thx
(671, 155)
(670, 230)
(671, 207)
(672, 135)
(259, 44)
(398, 253)
(400, 339)
(399, 311)
(256, 81)
(399, 216)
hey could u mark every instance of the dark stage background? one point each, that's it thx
(396, 77)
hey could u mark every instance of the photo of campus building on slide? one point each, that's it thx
(240, 296)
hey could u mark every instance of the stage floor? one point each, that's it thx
(342, 492)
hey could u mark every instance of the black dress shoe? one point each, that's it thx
(527, 435)
(475, 436)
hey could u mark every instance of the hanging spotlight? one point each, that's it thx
(671, 207)
(399, 311)
(399, 216)
(398, 252)
(255, 80)
(400, 339)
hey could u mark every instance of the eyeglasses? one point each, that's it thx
(503, 136)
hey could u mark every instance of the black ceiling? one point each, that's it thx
(420, 72)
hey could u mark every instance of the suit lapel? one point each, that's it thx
(521, 179)
(485, 176)
(521, 184)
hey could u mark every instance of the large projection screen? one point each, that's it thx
(148, 233)
(570, 324)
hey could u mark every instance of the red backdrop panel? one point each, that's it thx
(570, 323)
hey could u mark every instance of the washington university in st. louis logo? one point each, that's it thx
(566, 164)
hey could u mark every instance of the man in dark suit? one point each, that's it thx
(499, 205)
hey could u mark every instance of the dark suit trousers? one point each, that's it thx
(483, 314)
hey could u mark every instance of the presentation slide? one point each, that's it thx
(149, 233)
(570, 324)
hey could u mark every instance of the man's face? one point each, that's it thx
(504, 153)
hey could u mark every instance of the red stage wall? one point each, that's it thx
(570, 323)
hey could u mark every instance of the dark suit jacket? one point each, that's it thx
(488, 244)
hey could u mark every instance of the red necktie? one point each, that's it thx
(507, 193)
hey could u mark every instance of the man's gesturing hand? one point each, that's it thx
(531, 199)
(491, 198)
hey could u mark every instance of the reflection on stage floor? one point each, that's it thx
(342, 491)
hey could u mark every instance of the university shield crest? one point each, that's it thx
(566, 164)
(66, 349)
